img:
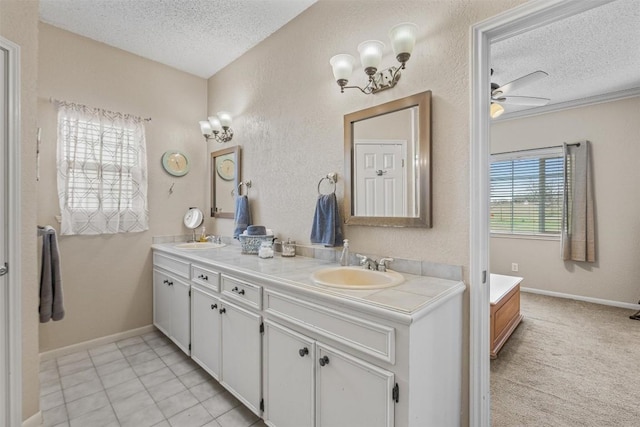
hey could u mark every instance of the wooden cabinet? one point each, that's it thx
(242, 354)
(308, 383)
(505, 309)
(205, 330)
(171, 308)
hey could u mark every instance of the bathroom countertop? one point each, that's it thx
(413, 298)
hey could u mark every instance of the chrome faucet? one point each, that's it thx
(383, 264)
(368, 263)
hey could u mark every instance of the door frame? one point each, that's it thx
(13, 325)
(526, 17)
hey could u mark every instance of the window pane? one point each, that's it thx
(526, 195)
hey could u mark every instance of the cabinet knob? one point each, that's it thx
(205, 277)
(170, 283)
(165, 281)
(303, 352)
(324, 360)
(223, 310)
(239, 291)
(214, 306)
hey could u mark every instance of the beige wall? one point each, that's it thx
(19, 23)
(288, 118)
(107, 279)
(614, 131)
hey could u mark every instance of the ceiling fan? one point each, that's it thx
(499, 94)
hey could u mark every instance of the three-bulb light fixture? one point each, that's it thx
(217, 127)
(403, 39)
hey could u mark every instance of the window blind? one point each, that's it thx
(102, 178)
(527, 193)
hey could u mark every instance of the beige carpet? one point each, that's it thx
(569, 363)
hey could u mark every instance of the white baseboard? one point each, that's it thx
(86, 345)
(33, 421)
(582, 298)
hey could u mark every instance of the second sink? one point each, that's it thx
(356, 278)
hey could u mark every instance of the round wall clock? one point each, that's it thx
(226, 169)
(175, 163)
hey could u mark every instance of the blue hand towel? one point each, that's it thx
(242, 217)
(327, 227)
(51, 301)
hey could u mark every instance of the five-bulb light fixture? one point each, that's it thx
(217, 127)
(403, 39)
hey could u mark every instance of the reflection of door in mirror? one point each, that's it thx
(384, 178)
(225, 177)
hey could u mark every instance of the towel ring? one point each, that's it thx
(332, 179)
(247, 184)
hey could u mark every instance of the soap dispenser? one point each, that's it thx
(344, 257)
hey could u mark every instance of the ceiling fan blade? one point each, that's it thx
(522, 100)
(519, 83)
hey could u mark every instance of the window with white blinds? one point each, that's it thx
(527, 192)
(100, 176)
(102, 171)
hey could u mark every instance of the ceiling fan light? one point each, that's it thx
(496, 110)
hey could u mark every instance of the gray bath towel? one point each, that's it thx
(51, 303)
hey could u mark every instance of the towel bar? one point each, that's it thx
(42, 230)
(333, 178)
(246, 184)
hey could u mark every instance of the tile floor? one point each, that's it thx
(141, 381)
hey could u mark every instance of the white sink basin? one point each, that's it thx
(200, 245)
(356, 278)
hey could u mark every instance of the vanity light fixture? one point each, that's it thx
(403, 39)
(217, 127)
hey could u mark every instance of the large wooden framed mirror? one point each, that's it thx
(225, 177)
(388, 164)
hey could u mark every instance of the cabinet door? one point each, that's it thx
(181, 313)
(351, 392)
(161, 302)
(289, 360)
(205, 331)
(241, 355)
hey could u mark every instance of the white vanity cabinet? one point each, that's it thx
(171, 299)
(352, 392)
(289, 377)
(301, 356)
(206, 330)
(308, 383)
(241, 354)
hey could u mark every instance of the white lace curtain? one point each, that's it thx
(102, 171)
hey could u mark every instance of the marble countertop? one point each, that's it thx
(412, 298)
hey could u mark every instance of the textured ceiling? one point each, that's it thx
(590, 54)
(197, 36)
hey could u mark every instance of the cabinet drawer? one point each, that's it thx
(371, 338)
(203, 276)
(243, 292)
(174, 265)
